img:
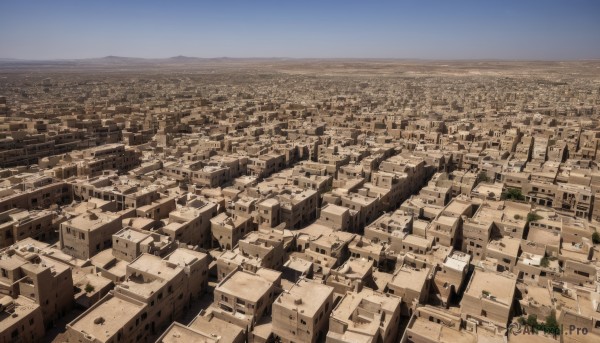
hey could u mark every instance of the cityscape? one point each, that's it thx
(298, 199)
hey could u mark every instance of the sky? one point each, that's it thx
(418, 29)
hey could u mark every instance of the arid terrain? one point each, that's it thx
(299, 200)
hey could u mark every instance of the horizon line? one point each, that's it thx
(495, 59)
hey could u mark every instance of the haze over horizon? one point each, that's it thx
(430, 30)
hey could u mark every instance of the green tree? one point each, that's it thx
(513, 194)
(532, 216)
(89, 288)
(482, 177)
(596, 237)
(545, 262)
(551, 325)
(532, 321)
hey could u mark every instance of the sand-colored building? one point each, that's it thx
(488, 300)
(301, 314)
(365, 316)
(88, 234)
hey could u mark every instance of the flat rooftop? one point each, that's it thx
(456, 263)
(141, 287)
(245, 285)
(506, 245)
(92, 220)
(177, 333)
(446, 220)
(439, 333)
(22, 307)
(334, 209)
(369, 301)
(500, 286)
(110, 316)
(357, 267)
(418, 241)
(408, 278)
(132, 235)
(155, 266)
(185, 257)
(269, 202)
(456, 208)
(215, 326)
(542, 236)
(305, 296)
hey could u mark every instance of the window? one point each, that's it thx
(578, 272)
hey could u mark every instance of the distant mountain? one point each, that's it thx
(114, 59)
(120, 62)
(112, 62)
(184, 58)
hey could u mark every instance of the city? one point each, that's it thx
(417, 206)
(275, 199)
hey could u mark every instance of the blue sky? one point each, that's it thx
(427, 29)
